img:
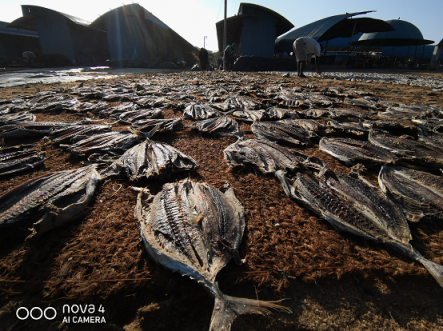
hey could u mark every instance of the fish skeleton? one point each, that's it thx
(195, 229)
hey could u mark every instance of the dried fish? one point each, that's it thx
(142, 114)
(222, 125)
(195, 229)
(150, 159)
(19, 158)
(335, 127)
(47, 202)
(76, 132)
(352, 151)
(169, 124)
(268, 157)
(113, 142)
(284, 132)
(353, 205)
(419, 193)
(16, 118)
(407, 148)
(199, 112)
(93, 107)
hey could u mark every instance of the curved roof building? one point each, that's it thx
(64, 34)
(405, 34)
(137, 37)
(343, 25)
(253, 29)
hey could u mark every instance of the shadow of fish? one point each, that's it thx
(195, 229)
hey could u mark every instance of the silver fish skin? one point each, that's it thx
(74, 131)
(267, 156)
(408, 149)
(282, 132)
(135, 115)
(352, 151)
(113, 141)
(419, 193)
(222, 125)
(339, 206)
(195, 229)
(49, 201)
(169, 124)
(199, 112)
(150, 159)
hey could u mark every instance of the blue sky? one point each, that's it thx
(195, 19)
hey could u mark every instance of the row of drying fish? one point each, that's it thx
(352, 204)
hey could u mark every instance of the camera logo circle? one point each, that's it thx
(36, 313)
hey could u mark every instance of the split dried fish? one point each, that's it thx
(13, 160)
(113, 142)
(76, 132)
(47, 202)
(354, 205)
(195, 229)
(268, 157)
(284, 132)
(169, 124)
(222, 125)
(199, 112)
(352, 128)
(407, 148)
(150, 159)
(137, 115)
(352, 151)
(419, 193)
(17, 118)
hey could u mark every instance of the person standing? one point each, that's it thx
(302, 47)
(204, 58)
(230, 55)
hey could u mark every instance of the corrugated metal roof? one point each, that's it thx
(248, 13)
(405, 34)
(30, 13)
(333, 27)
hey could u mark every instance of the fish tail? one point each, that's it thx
(227, 308)
(436, 270)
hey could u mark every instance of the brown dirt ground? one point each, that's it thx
(331, 281)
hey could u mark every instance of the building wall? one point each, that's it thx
(54, 35)
(13, 46)
(258, 33)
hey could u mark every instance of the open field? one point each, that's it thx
(332, 281)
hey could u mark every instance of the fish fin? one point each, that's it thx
(436, 270)
(227, 308)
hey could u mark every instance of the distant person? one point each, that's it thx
(204, 58)
(302, 47)
(29, 57)
(230, 55)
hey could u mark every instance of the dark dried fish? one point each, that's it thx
(419, 193)
(195, 229)
(353, 128)
(13, 160)
(142, 114)
(281, 131)
(47, 202)
(352, 151)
